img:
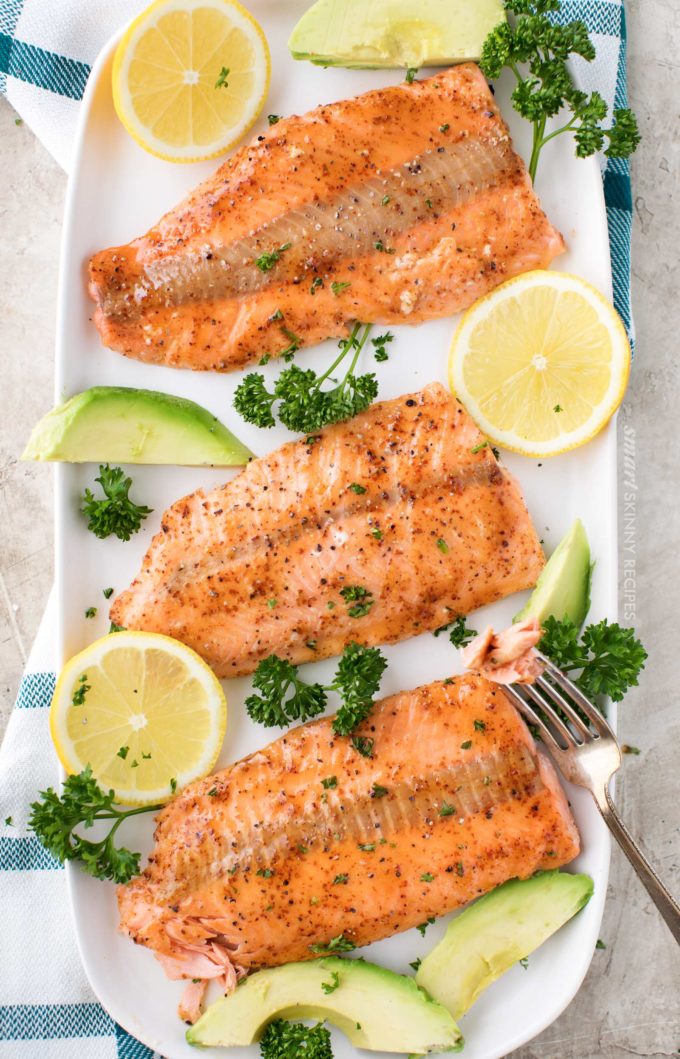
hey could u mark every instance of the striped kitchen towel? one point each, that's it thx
(47, 1010)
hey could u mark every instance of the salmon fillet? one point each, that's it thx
(403, 508)
(255, 865)
(410, 196)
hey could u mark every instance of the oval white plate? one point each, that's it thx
(116, 192)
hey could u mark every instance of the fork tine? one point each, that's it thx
(592, 713)
(555, 722)
(524, 707)
(564, 704)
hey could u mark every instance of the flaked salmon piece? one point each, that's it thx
(410, 196)
(507, 657)
(263, 862)
(402, 506)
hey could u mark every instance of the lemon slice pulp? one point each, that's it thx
(541, 363)
(190, 77)
(144, 711)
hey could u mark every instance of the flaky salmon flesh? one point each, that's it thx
(372, 530)
(307, 840)
(401, 205)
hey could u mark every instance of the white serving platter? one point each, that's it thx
(116, 192)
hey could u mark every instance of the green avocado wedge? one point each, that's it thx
(563, 589)
(394, 33)
(376, 1008)
(116, 424)
(491, 935)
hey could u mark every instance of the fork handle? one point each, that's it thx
(667, 906)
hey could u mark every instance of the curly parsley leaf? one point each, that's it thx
(605, 660)
(285, 697)
(117, 513)
(303, 406)
(357, 680)
(537, 50)
(54, 819)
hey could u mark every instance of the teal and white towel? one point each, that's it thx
(47, 1009)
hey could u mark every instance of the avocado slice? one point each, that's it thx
(563, 588)
(117, 424)
(496, 931)
(394, 33)
(376, 1008)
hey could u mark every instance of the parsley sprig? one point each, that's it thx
(460, 634)
(117, 513)
(294, 1040)
(303, 406)
(605, 660)
(54, 820)
(285, 697)
(537, 50)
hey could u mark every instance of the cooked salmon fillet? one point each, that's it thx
(373, 530)
(411, 197)
(307, 840)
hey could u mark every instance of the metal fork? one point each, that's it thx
(587, 755)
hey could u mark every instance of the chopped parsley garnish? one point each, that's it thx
(173, 785)
(459, 633)
(385, 200)
(273, 119)
(361, 599)
(330, 987)
(466, 745)
(330, 783)
(222, 80)
(337, 944)
(478, 448)
(294, 1040)
(107, 593)
(265, 262)
(116, 514)
(123, 752)
(422, 927)
(524, 962)
(382, 249)
(443, 546)
(363, 745)
(379, 345)
(427, 876)
(91, 612)
(377, 533)
(338, 288)
(316, 283)
(411, 74)
(271, 603)
(367, 847)
(546, 48)
(9, 822)
(81, 690)
(558, 408)
(479, 726)
(54, 819)
(116, 628)
(415, 964)
(303, 405)
(264, 873)
(378, 791)
(599, 944)
(628, 749)
(446, 810)
(341, 880)
(445, 127)
(358, 489)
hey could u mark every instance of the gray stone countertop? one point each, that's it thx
(629, 1003)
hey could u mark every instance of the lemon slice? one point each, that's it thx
(541, 363)
(144, 711)
(190, 77)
